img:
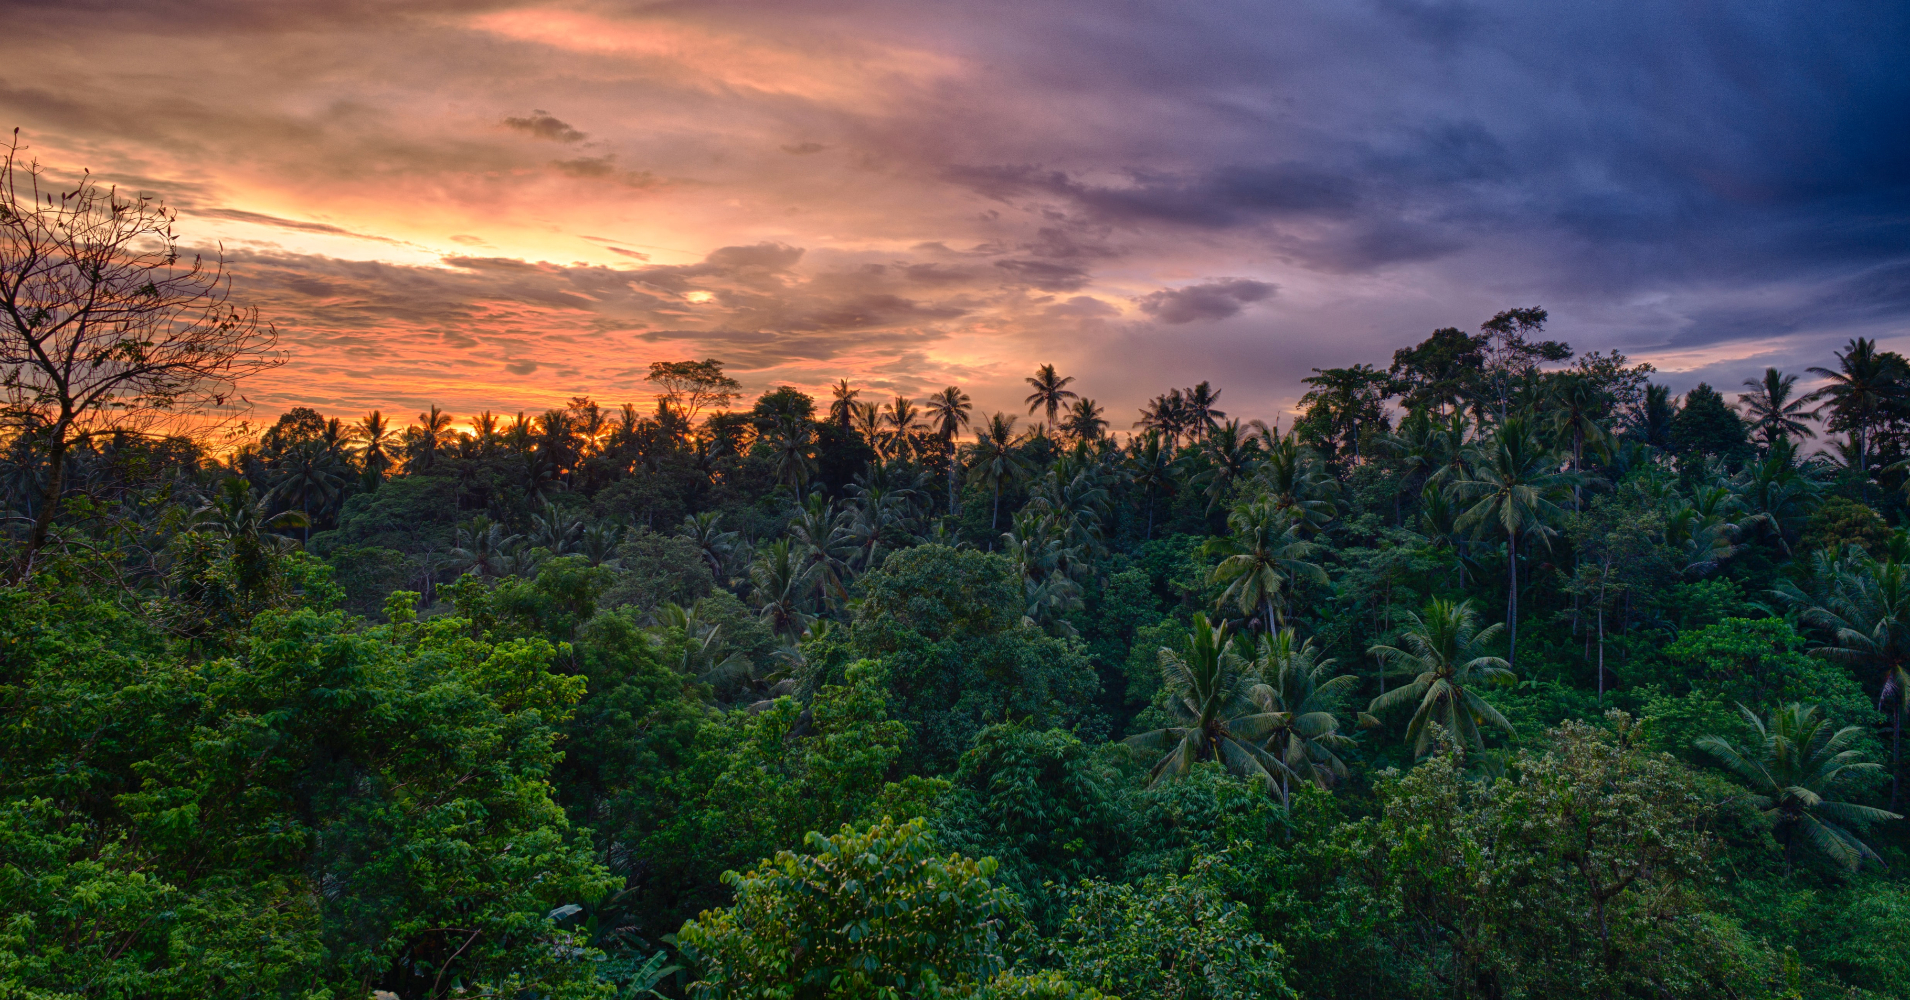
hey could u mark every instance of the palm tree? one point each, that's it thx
(824, 534)
(1201, 413)
(1231, 455)
(842, 407)
(555, 530)
(1866, 610)
(781, 585)
(1296, 690)
(1084, 421)
(1861, 388)
(902, 420)
(1578, 402)
(1777, 494)
(705, 531)
(882, 508)
(485, 548)
(1794, 773)
(1166, 414)
(992, 457)
(1513, 485)
(1295, 479)
(598, 544)
(1150, 465)
(237, 515)
(1443, 652)
(1773, 411)
(1051, 390)
(485, 428)
(1650, 422)
(375, 440)
(1266, 550)
(1218, 721)
(433, 431)
(309, 469)
(948, 415)
(868, 423)
(792, 451)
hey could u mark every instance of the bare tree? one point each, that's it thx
(105, 326)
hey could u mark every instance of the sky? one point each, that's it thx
(502, 205)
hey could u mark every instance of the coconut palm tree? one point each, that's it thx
(903, 421)
(308, 470)
(598, 544)
(1578, 403)
(868, 423)
(1443, 652)
(1794, 773)
(1295, 478)
(882, 508)
(1267, 550)
(375, 440)
(825, 535)
(1773, 412)
(1051, 391)
(994, 460)
(1512, 490)
(842, 405)
(1297, 692)
(1084, 421)
(1217, 720)
(1231, 455)
(948, 415)
(705, 531)
(485, 548)
(555, 530)
(1860, 389)
(792, 451)
(237, 515)
(781, 586)
(1167, 415)
(1866, 609)
(432, 433)
(1150, 466)
(1201, 413)
(1777, 494)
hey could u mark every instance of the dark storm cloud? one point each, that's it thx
(1223, 198)
(1208, 300)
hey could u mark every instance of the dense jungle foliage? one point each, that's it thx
(1500, 672)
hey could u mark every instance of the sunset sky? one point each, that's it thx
(501, 205)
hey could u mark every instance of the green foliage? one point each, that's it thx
(1578, 873)
(368, 574)
(750, 783)
(1045, 804)
(322, 807)
(875, 914)
(409, 514)
(1838, 523)
(1168, 936)
(948, 626)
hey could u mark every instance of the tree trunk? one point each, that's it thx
(49, 498)
(1896, 753)
(1512, 599)
(951, 480)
